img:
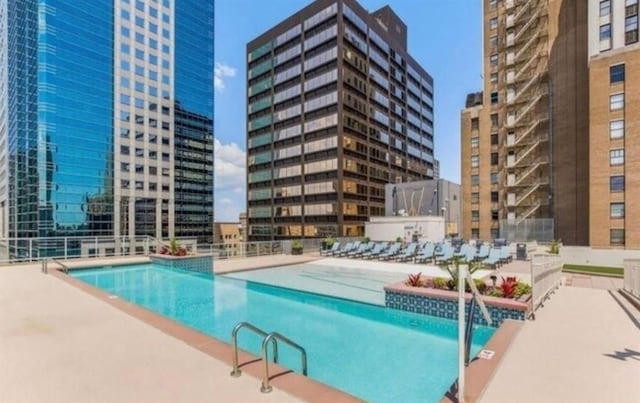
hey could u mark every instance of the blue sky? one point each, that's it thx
(445, 37)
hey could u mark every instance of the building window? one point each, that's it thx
(475, 197)
(493, 4)
(616, 157)
(617, 210)
(494, 97)
(616, 183)
(605, 32)
(475, 123)
(475, 215)
(494, 158)
(475, 142)
(494, 78)
(616, 73)
(494, 139)
(494, 197)
(493, 41)
(617, 237)
(495, 216)
(631, 28)
(494, 120)
(493, 23)
(475, 233)
(605, 8)
(475, 161)
(475, 179)
(494, 177)
(493, 60)
(616, 101)
(616, 129)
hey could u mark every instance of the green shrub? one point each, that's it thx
(480, 285)
(366, 239)
(399, 239)
(440, 283)
(494, 292)
(554, 248)
(296, 247)
(522, 289)
(329, 241)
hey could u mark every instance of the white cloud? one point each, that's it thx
(222, 71)
(230, 181)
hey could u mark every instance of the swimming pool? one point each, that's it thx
(372, 352)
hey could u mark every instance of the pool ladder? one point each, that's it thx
(45, 266)
(272, 338)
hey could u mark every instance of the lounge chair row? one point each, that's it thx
(426, 253)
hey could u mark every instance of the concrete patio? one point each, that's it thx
(584, 346)
(59, 344)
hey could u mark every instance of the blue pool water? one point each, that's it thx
(374, 353)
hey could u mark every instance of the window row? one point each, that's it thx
(139, 168)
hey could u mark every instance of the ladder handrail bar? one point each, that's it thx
(65, 268)
(234, 340)
(265, 387)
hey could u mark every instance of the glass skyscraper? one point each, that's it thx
(88, 95)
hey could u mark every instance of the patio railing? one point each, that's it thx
(632, 277)
(546, 273)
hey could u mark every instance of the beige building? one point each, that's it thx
(614, 119)
(228, 237)
(525, 137)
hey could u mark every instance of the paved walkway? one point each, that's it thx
(584, 347)
(59, 344)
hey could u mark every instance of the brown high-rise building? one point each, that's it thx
(614, 123)
(525, 139)
(336, 109)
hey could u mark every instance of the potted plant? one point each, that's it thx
(296, 247)
(554, 248)
(173, 249)
(328, 243)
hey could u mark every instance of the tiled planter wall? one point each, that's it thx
(199, 264)
(447, 307)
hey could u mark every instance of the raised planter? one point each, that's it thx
(195, 263)
(444, 303)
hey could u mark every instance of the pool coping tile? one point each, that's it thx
(480, 371)
(290, 382)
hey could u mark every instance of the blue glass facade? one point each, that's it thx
(194, 94)
(60, 136)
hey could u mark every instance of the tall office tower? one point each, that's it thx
(525, 143)
(336, 109)
(614, 119)
(87, 114)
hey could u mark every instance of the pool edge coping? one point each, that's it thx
(295, 384)
(480, 371)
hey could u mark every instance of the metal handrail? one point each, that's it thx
(65, 268)
(265, 387)
(236, 372)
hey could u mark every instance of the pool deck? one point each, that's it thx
(61, 343)
(584, 346)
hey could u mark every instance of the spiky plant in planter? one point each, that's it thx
(296, 247)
